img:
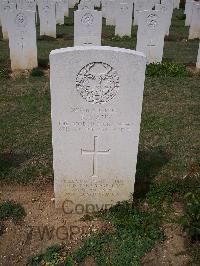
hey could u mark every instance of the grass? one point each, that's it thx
(168, 148)
(167, 69)
(135, 233)
(37, 72)
(131, 229)
(51, 256)
(11, 210)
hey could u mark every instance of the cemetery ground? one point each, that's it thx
(161, 225)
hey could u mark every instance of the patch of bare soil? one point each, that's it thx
(43, 226)
(172, 251)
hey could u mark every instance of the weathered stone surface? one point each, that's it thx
(6, 7)
(194, 31)
(150, 35)
(198, 59)
(87, 27)
(60, 12)
(96, 96)
(123, 19)
(22, 40)
(47, 18)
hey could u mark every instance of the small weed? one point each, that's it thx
(117, 38)
(136, 233)
(52, 256)
(133, 231)
(181, 16)
(166, 190)
(191, 219)
(68, 261)
(12, 210)
(46, 38)
(87, 217)
(37, 72)
(4, 73)
(167, 69)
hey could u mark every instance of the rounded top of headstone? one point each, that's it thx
(97, 48)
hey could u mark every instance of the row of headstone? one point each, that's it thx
(153, 25)
(18, 25)
(192, 12)
(96, 95)
(18, 21)
(51, 12)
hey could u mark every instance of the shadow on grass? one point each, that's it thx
(12, 160)
(149, 164)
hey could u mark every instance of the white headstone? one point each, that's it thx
(97, 3)
(110, 12)
(66, 8)
(72, 3)
(103, 7)
(150, 35)
(22, 40)
(86, 4)
(176, 4)
(26, 5)
(96, 97)
(6, 6)
(194, 31)
(123, 22)
(198, 59)
(47, 18)
(87, 27)
(141, 5)
(60, 12)
(188, 12)
(167, 8)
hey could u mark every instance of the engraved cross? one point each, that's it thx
(94, 152)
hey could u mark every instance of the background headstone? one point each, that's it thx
(22, 40)
(87, 27)
(194, 31)
(110, 12)
(6, 7)
(198, 59)
(66, 8)
(150, 35)
(60, 12)
(47, 18)
(123, 19)
(72, 3)
(86, 4)
(26, 5)
(141, 5)
(188, 12)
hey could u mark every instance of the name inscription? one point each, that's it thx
(95, 119)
